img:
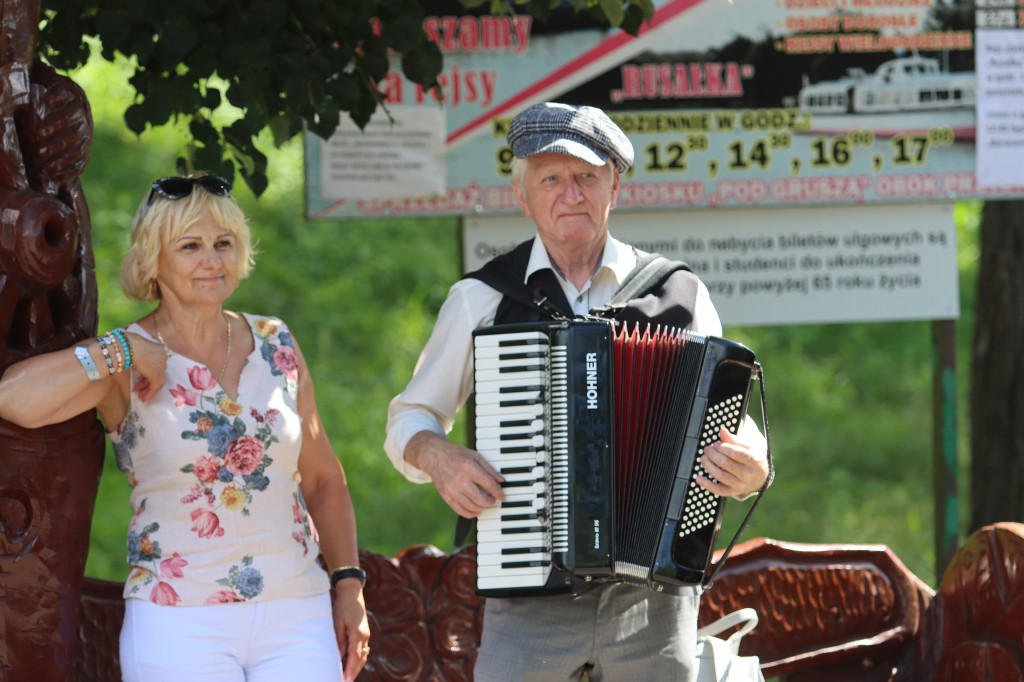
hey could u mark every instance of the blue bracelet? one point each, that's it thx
(127, 347)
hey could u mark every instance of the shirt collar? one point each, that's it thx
(618, 259)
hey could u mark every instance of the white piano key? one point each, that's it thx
(490, 340)
(522, 460)
(503, 352)
(498, 559)
(496, 457)
(536, 487)
(524, 577)
(490, 427)
(491, 547)
(500, 524)
(512, 498)
(534, 578)
(518, 377)
(536, 442)
(511, 374)
(510, 412)
(512, 539)
(494, 398)
(514, 501)
(534, 474)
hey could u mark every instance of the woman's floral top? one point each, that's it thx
(218, 512)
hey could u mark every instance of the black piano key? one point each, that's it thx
(523, 564)
(524, 448)
(511, 551)
(521, 356)
(520, 389)
(519, 403)
(521, 531)
(523, 342)
(519, 517)
(522, 368)
(516, 470)
(519, 436)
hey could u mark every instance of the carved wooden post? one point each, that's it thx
(48, 477)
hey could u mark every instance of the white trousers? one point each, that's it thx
(263, 641)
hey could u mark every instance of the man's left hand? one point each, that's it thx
(738, 467)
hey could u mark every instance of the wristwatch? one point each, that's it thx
(347, 572)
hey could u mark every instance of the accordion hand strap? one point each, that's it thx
(709, 579)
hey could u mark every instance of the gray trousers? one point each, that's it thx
(614, 633)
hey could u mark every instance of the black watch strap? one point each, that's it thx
(347, 572)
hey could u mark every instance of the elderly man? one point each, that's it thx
(566, 175)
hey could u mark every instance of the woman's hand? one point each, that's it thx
(150, 361)
(351, 626)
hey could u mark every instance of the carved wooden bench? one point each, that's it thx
(828, 613)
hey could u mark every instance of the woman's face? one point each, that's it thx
(199, 267)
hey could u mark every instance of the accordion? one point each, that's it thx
(598, 429)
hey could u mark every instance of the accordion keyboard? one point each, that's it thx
(513, 423)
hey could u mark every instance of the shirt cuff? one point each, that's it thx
(400, 430)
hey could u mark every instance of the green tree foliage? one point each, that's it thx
(284, 64)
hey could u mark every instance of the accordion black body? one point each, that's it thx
(598, 429)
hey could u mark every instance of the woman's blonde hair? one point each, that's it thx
(159, 221)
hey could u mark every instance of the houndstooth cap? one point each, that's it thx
(584, 132)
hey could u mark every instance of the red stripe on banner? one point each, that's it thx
(330, 209)
(661, 16)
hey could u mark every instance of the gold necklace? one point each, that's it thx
(167, 349)
(156, 326)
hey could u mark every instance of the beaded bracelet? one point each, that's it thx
(130, 352)
(128, 355)
(118, 354)
(106, 353)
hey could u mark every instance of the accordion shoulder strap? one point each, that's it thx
(650, 272)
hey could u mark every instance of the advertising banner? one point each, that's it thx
(739, 104)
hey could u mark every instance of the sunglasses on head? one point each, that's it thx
(177, 187)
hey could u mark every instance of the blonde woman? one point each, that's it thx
(213, 419)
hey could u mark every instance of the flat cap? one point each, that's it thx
(584, 132)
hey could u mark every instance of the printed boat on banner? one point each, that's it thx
(903, 95)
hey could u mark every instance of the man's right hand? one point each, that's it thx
(462, 476)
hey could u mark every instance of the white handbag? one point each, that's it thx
(719, 660)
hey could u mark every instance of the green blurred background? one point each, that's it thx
(850, 406)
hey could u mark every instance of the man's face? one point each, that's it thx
(568, 199)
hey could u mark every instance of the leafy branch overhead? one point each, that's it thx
(284, 64)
